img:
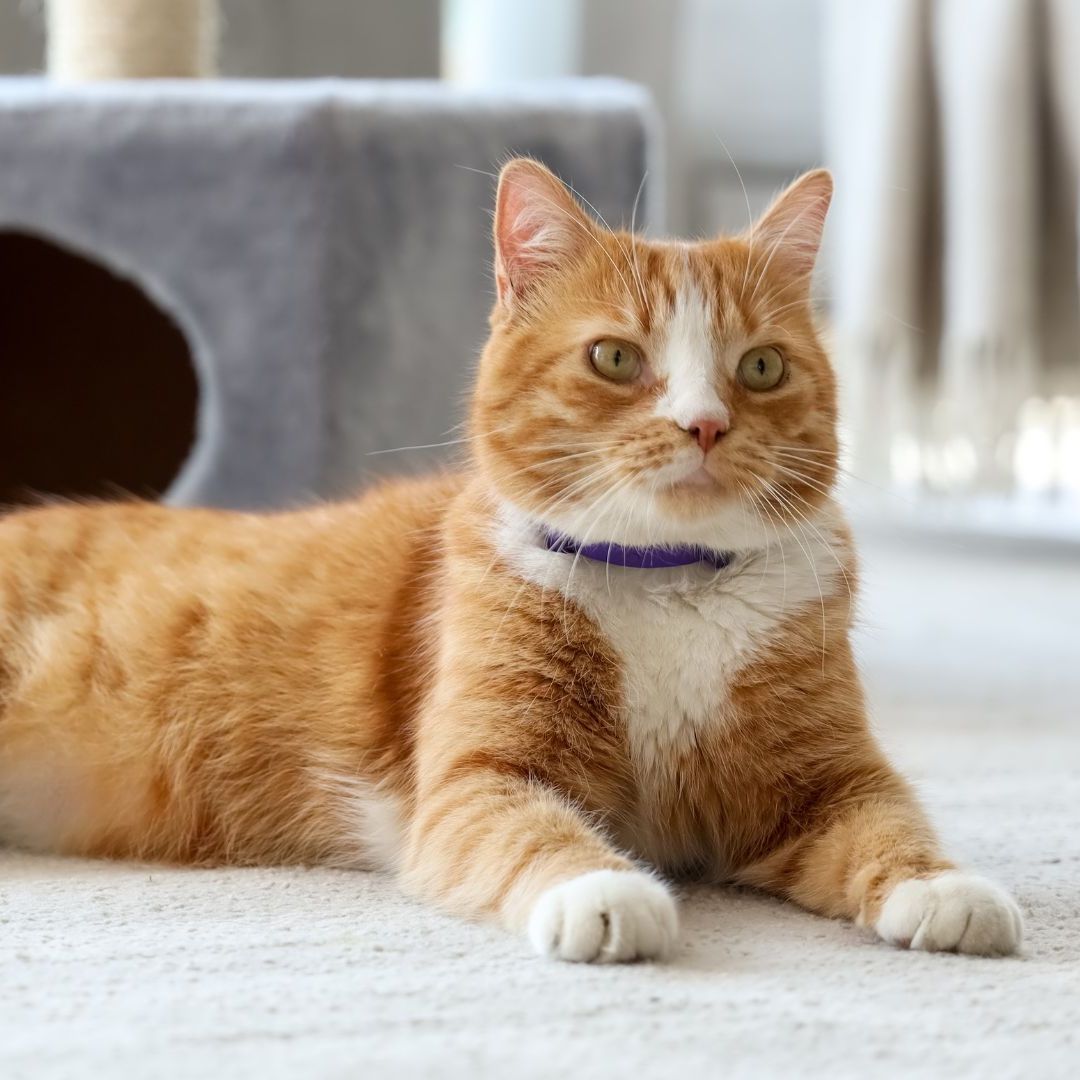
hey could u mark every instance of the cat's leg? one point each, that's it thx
(489, 842)
(874, 859)
(518, 757)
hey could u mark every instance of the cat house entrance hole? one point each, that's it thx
(98, 391)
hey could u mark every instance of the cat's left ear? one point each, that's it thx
(538, 226)
(790, 231)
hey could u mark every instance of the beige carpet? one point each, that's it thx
(974, 667)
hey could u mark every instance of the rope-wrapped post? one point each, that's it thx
(131, 39)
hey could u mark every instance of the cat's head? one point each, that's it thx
(654, 392)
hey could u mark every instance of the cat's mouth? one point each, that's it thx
(698, 488)
(690, 473)
(699, 479)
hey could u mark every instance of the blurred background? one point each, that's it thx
(949, 282)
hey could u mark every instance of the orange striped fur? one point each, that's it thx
(410, 679)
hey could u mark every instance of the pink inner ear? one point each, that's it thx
(792, 227)
(535, 228)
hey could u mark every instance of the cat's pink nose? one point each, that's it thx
(707, 431)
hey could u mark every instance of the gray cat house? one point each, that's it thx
(234, 293)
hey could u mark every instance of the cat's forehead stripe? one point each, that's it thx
(669, 270)
(657, 296)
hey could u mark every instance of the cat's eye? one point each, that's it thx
(615, 360)
(761, 369)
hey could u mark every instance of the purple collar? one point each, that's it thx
(640, 558)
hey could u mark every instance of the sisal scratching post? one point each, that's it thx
(131, 39)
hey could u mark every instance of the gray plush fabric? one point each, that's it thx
(324, 245)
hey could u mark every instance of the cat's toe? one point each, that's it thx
(605, 915)
(953, 911)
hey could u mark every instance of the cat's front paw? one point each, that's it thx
(605, 915)
(952, 911)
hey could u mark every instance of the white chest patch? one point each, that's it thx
(682, 634)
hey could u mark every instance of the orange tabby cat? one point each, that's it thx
(612, 650)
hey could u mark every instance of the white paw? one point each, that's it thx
(951, 911)
(605, 915)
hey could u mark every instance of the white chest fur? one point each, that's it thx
(683, 634)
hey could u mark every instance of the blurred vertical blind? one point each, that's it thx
(954, 129)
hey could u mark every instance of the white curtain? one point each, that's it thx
(953, 127)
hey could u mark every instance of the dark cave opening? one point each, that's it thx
(98, 391)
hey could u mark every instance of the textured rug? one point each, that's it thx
(972, 662)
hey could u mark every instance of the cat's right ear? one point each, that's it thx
(538, 226)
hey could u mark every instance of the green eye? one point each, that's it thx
(615, 360)
(762, 369)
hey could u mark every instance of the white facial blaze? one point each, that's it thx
(688, 362)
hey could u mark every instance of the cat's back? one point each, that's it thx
(153, 658)
(143, 587)
(72, 551)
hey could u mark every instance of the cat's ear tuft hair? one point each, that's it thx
(791, 228)
(538, 226)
